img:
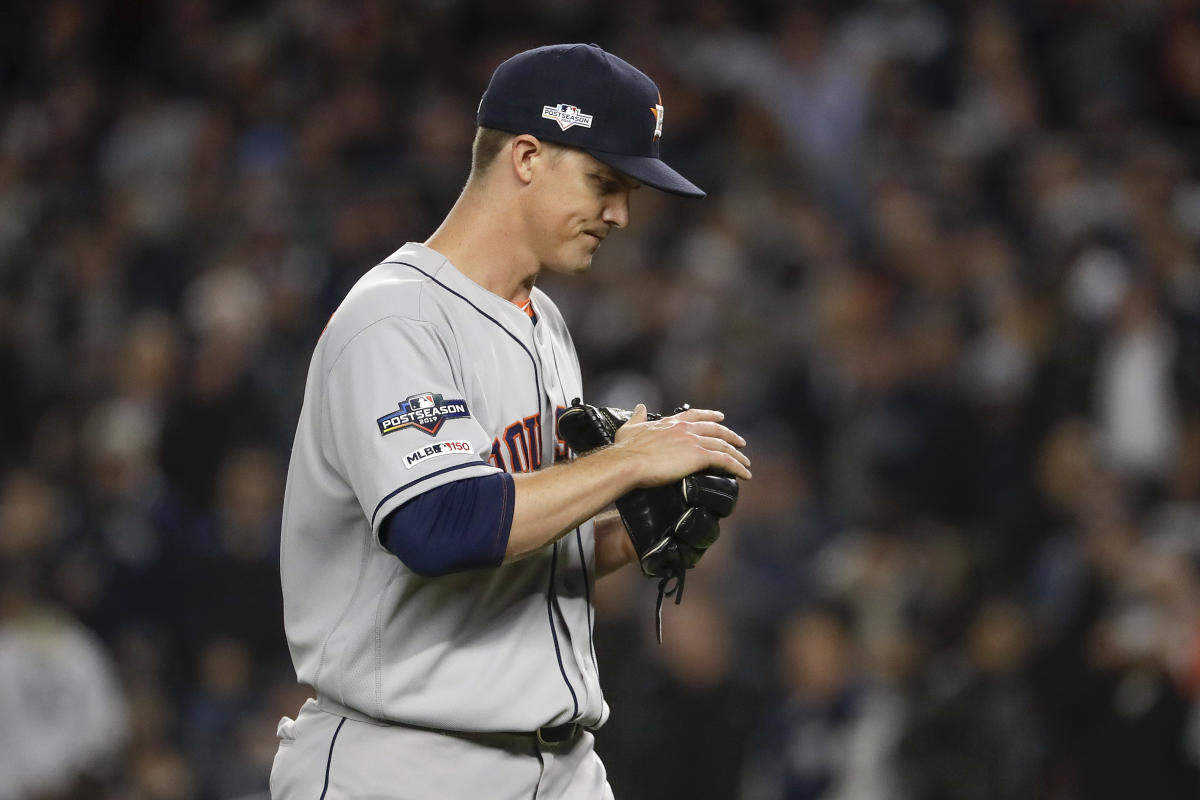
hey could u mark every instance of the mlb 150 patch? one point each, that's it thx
(426, 412)
(446, 448)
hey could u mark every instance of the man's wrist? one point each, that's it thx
(624, 465)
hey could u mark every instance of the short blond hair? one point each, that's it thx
(490, 141)
(487, 145)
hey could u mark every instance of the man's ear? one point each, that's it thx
(524, 151)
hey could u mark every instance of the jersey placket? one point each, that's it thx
(570, 571)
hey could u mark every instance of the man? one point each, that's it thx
(437, 565)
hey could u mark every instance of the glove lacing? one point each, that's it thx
(675, 590)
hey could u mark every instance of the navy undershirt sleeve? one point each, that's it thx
(458, 526)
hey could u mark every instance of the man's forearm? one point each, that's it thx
(553, 501)
(549, 502)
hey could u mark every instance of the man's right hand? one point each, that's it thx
(659, 451)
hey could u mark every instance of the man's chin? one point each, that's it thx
(573, 266)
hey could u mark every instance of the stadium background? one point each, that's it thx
(947, 282)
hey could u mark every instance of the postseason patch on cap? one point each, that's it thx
(566, 116)
(426, 412)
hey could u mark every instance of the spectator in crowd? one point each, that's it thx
(975, 733)
(829, 733)
(692, 681)
(64, 710)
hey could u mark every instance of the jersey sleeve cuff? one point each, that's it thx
(402, 494)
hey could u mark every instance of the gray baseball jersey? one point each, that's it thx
(423, 377)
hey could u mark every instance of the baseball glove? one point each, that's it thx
(671, 526)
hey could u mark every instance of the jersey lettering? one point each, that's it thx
(533, 431)
(496, 458)
(519, 449)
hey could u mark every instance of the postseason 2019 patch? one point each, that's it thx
(426, 412)
(567, 115)
(449, 447)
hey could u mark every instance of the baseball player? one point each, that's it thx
(439, 547)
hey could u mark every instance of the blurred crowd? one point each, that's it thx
(947, 282)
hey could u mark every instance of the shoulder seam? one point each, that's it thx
(370, 325)
(533, 361)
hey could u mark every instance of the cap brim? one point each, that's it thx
(650, 171)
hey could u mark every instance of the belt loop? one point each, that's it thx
(557, 734)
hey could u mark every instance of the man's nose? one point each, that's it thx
(616, 210)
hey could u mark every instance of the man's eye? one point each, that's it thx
(604, 185)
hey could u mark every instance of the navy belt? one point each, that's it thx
(558, 734)
(547, 735)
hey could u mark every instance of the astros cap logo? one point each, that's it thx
(657, 111)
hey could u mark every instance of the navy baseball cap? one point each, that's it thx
(581, 96)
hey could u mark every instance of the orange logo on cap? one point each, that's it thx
(657, 111)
